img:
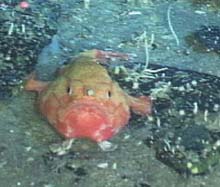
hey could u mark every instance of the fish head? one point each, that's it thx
(93, 109)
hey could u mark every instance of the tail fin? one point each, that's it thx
(35, 85)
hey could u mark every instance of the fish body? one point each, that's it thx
(84, 102)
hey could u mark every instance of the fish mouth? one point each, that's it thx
(85, 119)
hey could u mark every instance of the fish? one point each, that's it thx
(84, 102)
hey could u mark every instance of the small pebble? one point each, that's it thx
(103, 165)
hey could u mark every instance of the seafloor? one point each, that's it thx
(120, 25)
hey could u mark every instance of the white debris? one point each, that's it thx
(11, 131)
(200, 12)
(135, 85)
(182, 112)
(216, 107)
(107, 146)
(102, 165)
(195, 108)
(139, 143)
(114, 165)
(127, 136)
(28, 148)
(206, 112)
(61, 149)
(134, 13)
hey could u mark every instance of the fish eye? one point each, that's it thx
(109, 94)
(90, 92)
(69, 90)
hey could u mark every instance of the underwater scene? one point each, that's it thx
(109, 93)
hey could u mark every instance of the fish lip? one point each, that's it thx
(72, 120)
(106, 107)
(69, 124)
(92, 105)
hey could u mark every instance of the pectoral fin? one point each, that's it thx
(141, 105)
